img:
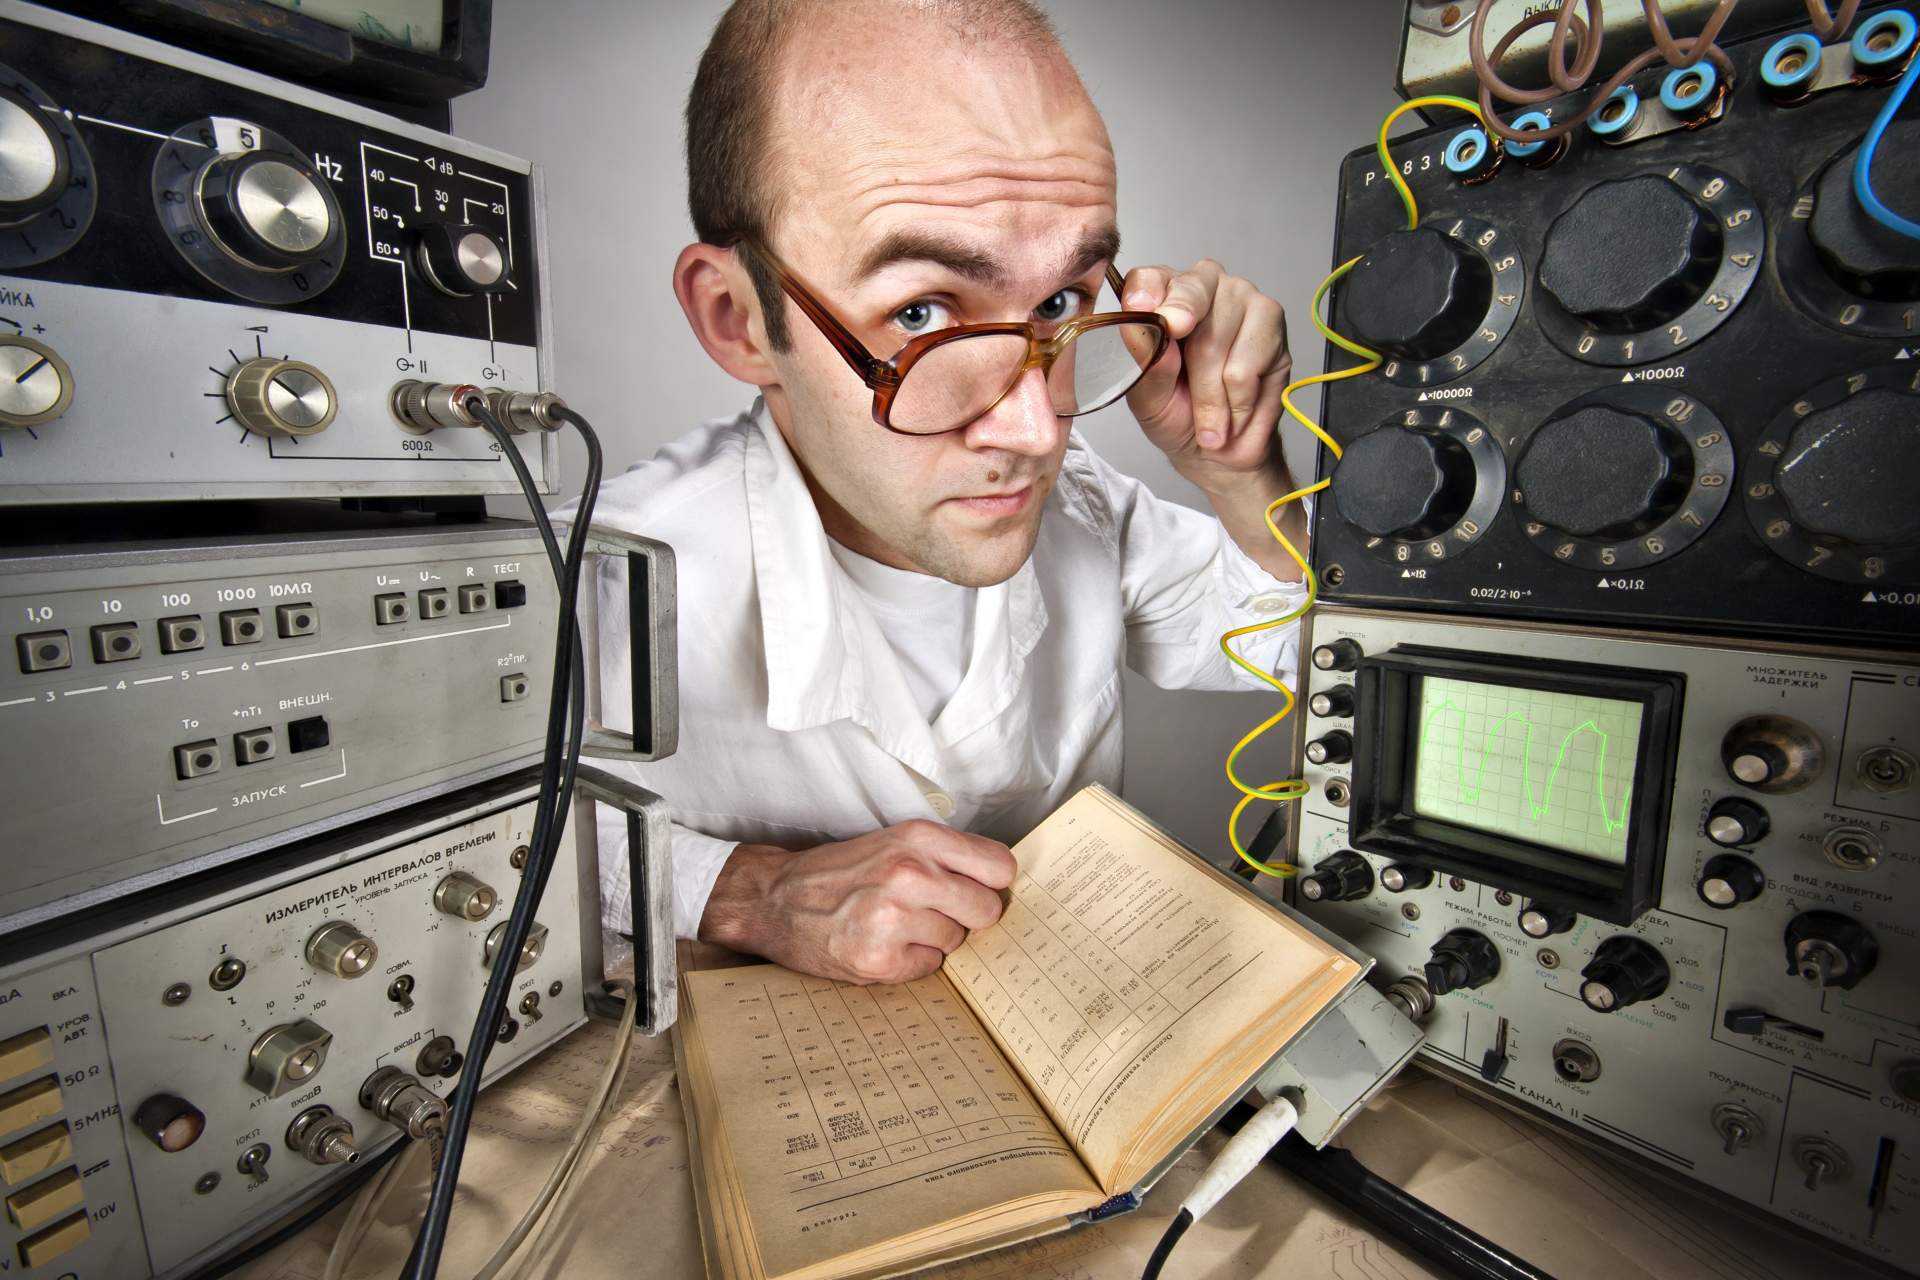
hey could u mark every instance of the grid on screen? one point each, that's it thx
(1554, 769)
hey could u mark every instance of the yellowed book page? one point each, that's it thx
(852, 1116)
(1122, 965)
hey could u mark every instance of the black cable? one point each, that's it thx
(350, 1182)
(1175, 1229)
(1411, 1222)
(560, 763)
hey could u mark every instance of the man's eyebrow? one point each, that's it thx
(1098, 247)
(908, 245)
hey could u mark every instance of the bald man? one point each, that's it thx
(907, 584)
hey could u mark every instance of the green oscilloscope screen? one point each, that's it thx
(1552, 769)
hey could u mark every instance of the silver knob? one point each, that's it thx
(283, 207)
(36, 386)
(281, 397)
(465, 896)
(341, 950)
(32, 159)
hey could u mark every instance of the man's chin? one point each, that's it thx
(976, 559)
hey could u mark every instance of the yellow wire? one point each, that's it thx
(1292, 789)
(1386, 160)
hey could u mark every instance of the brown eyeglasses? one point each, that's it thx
(961, 372)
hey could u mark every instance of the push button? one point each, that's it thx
(38, 1251)
(30, 1103)
(509, 593)
(45, 1200)
(36, 1153)
(28, 1051)
(309, 734)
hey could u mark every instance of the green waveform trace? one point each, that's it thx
(1470, 794)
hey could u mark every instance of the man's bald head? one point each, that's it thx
(733, 135)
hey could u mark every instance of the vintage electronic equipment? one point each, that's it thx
(416, 51)
(1654, 887)
(1433, 45)
(217, 285)
(1661, 374)
(196, 699)
(179, 1070)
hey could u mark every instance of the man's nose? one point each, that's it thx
(1023, 422)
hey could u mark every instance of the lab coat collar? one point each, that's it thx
(826, 658)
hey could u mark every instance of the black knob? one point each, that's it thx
(1829, 949)
(1417, 294)
(1401, 877)
(1866, 258)
(1603, 472)
(1395, 482)
(1337, 701)
(1337, 655)
(1734, 821)
(170, 1123)
(1624, 970)
(1729, 880)
(1850, 472)
(1630, 254)
(269, 207)
(1331, 748)
(1544, 919)
(1463, 958)
(36, 169)
(1341, 878)
(1772, 753)
(459, 258)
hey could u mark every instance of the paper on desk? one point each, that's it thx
(1560, 1205)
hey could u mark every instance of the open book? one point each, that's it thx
(1054, 1065)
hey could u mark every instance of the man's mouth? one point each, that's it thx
(993, 505)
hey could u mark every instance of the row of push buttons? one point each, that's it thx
(50, 1206)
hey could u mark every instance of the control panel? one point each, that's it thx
(174, 1077)
(1664, 370)
(214, 285)
(202, 698)
(1657, 888)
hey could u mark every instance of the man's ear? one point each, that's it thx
(718, 297)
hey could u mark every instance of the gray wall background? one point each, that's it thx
(1229, 118)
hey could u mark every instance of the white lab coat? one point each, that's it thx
(796, 725)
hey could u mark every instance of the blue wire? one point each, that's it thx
(1863, 163)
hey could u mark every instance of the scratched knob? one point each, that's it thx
(1418, 294)
(36, 386)
(269, 208)
(1849, 472)
(33, 160)
(281, 397)
(458, 258)
(1624, 970)
(1630, 254)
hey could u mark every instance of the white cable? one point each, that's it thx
(366, 1209)
(1242, 1152)
(574, 1157)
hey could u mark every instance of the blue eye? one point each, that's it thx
(921, 317)
(1063, 305)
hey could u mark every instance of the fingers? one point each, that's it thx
(1257, 368)
(1206, 352)
(976, 857)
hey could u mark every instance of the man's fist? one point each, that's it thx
(883, 907)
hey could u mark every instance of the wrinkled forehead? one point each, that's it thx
(910, 128)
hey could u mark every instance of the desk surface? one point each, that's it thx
(1561, 1205)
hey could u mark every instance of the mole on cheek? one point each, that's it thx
(993, 477)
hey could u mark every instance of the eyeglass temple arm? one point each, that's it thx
(871, 369)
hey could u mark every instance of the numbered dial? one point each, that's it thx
(460, 259)
(1640, 268)
(1622, 477)
(1437, 300)
(1831, 483)
(36, 386)
(272, 397)
(1422, 488)
(46, 175)
(248, 212)
(1842, 266)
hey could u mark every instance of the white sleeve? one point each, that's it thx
(1184, 583)
(697, 859)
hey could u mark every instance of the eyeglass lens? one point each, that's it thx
(957, 381)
